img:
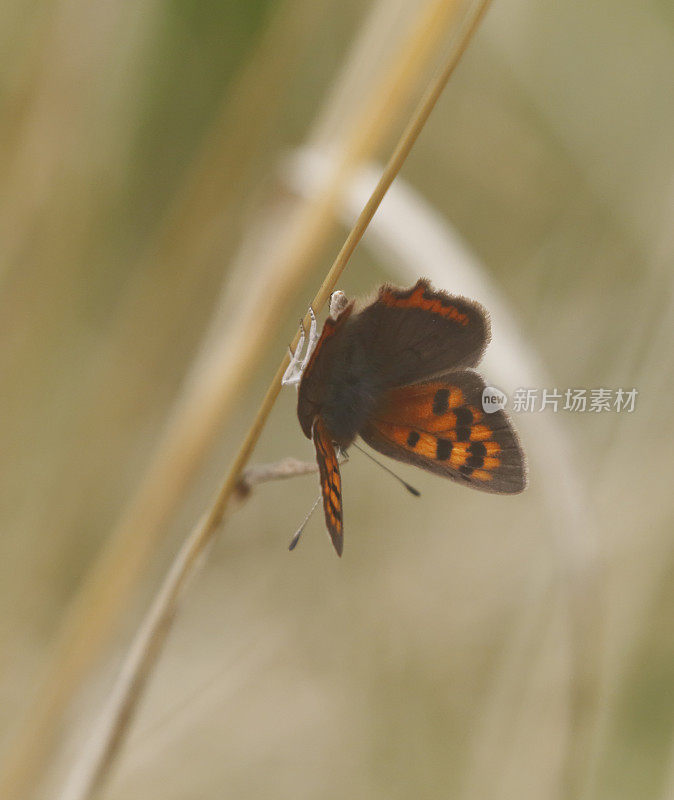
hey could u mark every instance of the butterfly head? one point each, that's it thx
(338, 302)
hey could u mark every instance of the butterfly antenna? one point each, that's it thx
(409, 488)
(296, 537)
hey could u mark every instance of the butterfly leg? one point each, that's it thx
(293, 374)
(313, 339)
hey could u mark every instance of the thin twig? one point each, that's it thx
(88, 776)
(278, 471)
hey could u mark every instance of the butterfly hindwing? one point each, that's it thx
(331, 483)
(414, 334)
(439, 425)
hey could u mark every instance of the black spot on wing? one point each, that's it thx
(464, 419)
(413, 439)
(478, 449)
(441, 402)
(336, 511)
(443, 449)
(477, 452)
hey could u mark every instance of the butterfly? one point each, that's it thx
(398, 373)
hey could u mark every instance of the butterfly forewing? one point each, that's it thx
(440, 426)
(414, 334)
(331, 483)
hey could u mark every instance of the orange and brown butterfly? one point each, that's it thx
(398, 372)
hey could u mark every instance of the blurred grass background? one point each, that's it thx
(139, 142)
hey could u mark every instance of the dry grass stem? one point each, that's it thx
(88, 773)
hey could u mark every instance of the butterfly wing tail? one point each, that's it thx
(331, 483)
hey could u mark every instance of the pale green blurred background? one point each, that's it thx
(440, 656)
